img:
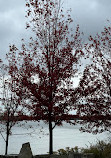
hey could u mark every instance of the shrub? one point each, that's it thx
(67, 150)
(101, 149)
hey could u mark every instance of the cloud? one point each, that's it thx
(90, 15)
(12, 23)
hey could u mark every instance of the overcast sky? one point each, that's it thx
(91, 15)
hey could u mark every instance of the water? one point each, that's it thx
(66, 136)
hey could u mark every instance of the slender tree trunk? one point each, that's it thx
(7, 136)
(6, 148)
(50, 137)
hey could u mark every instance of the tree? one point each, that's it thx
(43, 69)
(95, 85)
(11, 112)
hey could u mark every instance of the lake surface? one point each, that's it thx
(64, 136)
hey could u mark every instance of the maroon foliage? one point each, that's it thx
(43, 69)
(10, 110)
(95, 85)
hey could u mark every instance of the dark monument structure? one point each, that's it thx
(25, 151)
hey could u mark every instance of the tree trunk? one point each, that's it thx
(7, 135)
(7, 138)
(50, 137)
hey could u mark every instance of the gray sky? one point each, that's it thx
(91, 15)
